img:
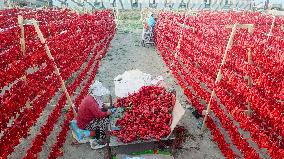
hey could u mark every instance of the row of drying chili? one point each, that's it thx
(195, 45)
(71, 41)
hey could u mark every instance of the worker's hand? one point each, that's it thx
(115, 103)
(109, 112)
(105, 106)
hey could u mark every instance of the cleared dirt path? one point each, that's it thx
(126, 53)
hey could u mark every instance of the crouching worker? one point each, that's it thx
(93, 113)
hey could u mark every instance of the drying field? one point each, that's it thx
(228, 63)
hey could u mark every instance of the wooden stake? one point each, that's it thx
(208, 110)
(22, 39)
(229, 44)
(179, 39)
(181, 33)
(141, 15)
(250, 83)
(186, 26)
(249, 62)
(244, 26)
(219, 76)
(249, 111)
(271, 28)
(250, 56)
(57, 72)
(23, 49)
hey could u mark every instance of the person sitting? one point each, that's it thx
(93, 113)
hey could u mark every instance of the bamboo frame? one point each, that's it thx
(271, 28)
(228, 47)
(57, 72)
(219, 74)
(250, 83)
(23, 50)
(244, 26)
(183, 25)
(22, 39)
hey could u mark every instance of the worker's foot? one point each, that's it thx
(95, 144)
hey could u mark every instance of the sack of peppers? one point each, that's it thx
(147, 115)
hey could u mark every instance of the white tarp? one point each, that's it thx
(130, 82)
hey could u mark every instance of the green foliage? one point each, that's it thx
(129, 21)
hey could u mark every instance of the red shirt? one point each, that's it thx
(89, 110)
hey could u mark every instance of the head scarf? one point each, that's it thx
(150, 14)
(97, 91)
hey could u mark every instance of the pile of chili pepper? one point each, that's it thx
(147, 114)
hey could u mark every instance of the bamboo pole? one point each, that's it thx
(218, 78)
(181, 32)
(250, 56)
(180, 35)
(244, 26)
(23, 49)
(57, 72)
(270, 33)
(250, 83)
(219, 74)
(22, 39)
(271, 28)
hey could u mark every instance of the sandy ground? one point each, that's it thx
(126, 53)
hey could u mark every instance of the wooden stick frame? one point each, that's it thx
(250, 27)
(183, 25)
(22, 39)
(180, 34)
(271, 28)
(250, 82)
(219, 74)
(57, 72)
(23, 50)
(186, 26)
